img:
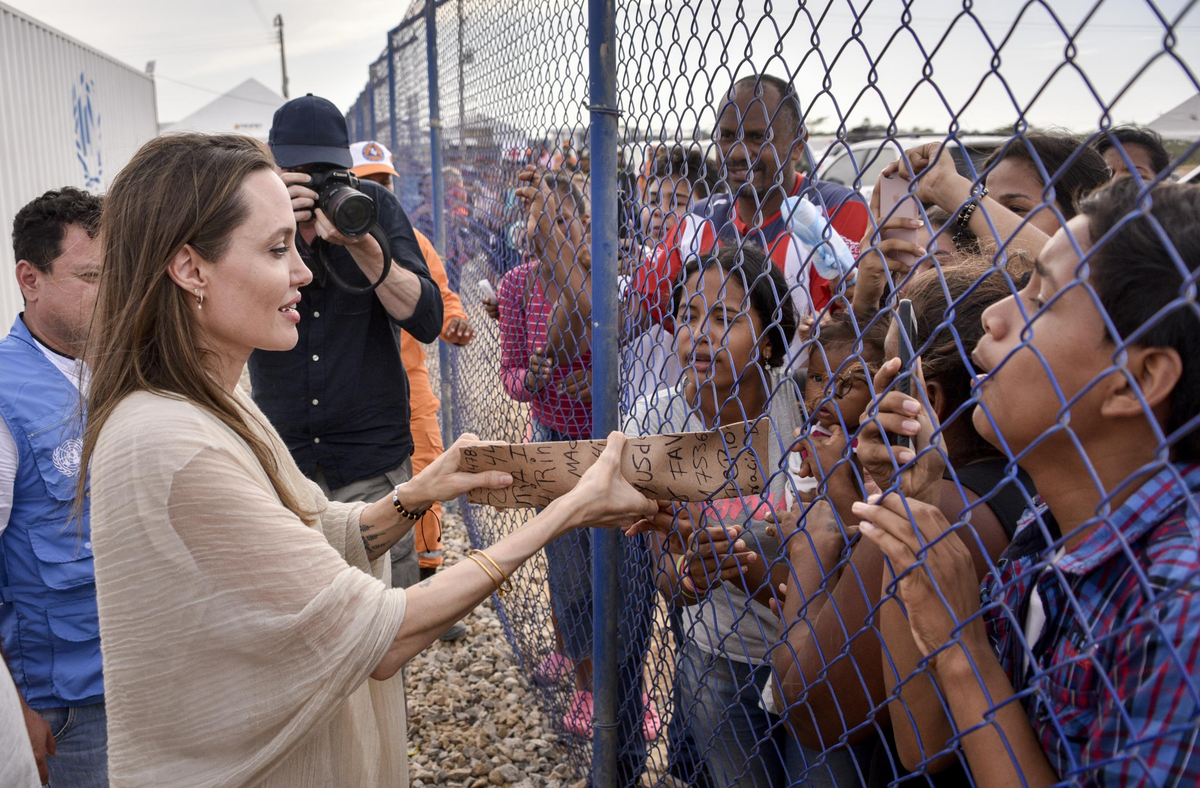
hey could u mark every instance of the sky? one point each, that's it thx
(204, 49)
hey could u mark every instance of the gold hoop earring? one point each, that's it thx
(199, 299)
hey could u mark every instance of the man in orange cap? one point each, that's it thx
(373, 161)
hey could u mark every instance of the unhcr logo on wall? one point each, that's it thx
(87, 132)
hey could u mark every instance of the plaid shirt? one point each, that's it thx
(1112, 685)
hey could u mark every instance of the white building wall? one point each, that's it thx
(69, 116)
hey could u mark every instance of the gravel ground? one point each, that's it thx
(472, 715)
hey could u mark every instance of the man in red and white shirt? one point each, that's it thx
(761, 139)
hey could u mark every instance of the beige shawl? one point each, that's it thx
(237, 640)
(17, 767)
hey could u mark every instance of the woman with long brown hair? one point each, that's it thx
(241, 613)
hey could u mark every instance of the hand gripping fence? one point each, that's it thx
(686, 213)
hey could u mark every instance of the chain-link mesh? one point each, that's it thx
(770, 255)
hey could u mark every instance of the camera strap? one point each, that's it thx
(323, 271)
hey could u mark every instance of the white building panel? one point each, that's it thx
(69, 116)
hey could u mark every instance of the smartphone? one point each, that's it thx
(894, 194)
(486, 290)
(907, 326)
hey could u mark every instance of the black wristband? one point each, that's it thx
(399, 507)
(968, 210)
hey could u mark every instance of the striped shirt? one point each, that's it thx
(524, 322)
(1112, 682)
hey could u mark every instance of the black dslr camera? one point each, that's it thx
(354, 214)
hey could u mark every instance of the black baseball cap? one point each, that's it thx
(310, 130)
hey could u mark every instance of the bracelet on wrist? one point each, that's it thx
(487, 571)
(504, 585)
(399, 507)
(968, 210)
(688, 596)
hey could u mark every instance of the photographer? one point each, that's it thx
(339, 398)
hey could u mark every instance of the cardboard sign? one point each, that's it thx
(687, 466)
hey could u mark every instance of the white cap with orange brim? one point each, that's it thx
(371, 157)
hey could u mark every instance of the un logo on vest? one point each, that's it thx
(67, 457)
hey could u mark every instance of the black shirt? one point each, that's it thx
(340, 397)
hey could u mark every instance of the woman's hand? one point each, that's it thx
(900, 414)
(716, 555)
(941, 566)
(878, 264)
(675, 521)
(938, 181)
(441, 480)
(603, 498)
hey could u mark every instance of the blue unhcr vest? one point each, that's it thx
(48, 621)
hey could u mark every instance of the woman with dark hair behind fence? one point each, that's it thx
(242, 613)
(1077, 661)
(1128, 149)
(734, 320)
(830, 694)
(1011, 194)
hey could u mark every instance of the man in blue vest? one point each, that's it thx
(49, 627)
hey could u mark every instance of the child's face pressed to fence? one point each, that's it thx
(834, 387)
(1030, 371)
(718, 335)
(667, 199)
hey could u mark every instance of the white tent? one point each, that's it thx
(1181, 123)
(247, 109)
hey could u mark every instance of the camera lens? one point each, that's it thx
(352, 212)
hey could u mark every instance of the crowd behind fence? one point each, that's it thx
(1044, 445)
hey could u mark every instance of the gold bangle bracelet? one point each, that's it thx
(506, 587)
(487, 572)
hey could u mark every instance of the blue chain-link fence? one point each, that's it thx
(1020, 607)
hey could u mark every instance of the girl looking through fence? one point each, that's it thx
(733, 321)
(1013, 196)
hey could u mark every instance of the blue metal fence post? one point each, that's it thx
(371, 97)
(606, 556)
(391, 56)
(439, 201)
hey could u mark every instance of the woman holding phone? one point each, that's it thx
(249, 636)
